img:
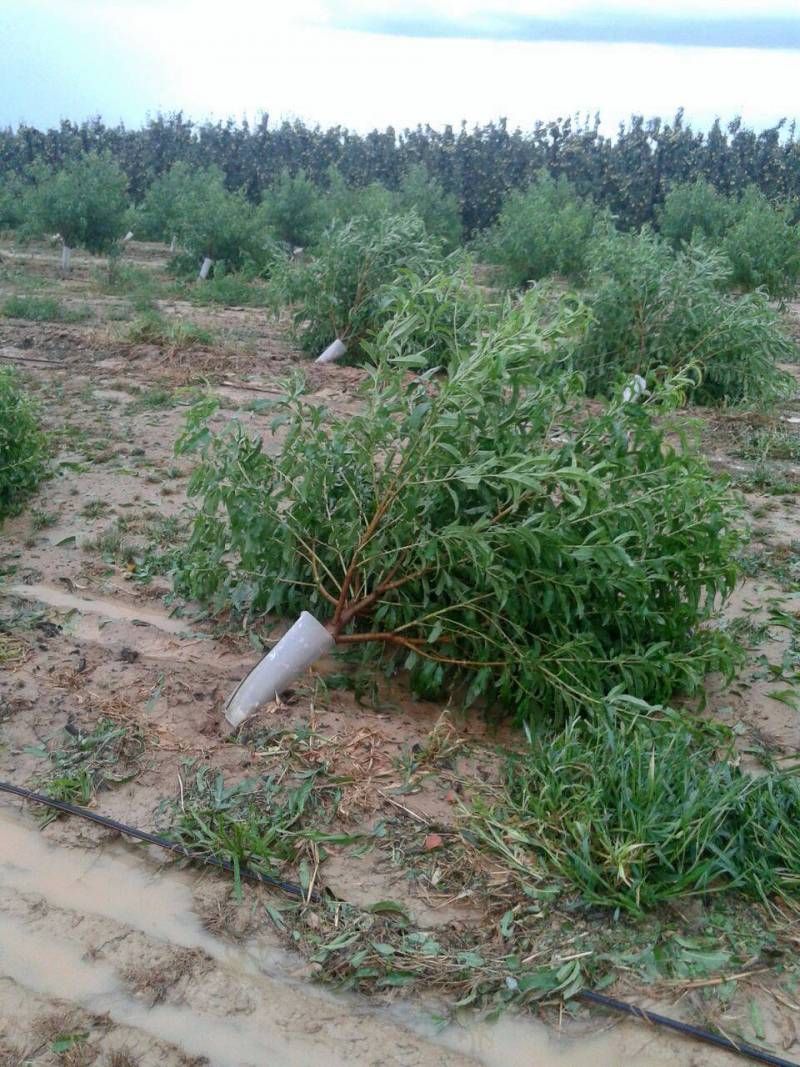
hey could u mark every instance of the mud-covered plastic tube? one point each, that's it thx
(299, 647)
(334, 350)
(66, 255)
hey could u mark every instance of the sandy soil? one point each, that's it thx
(96, 937)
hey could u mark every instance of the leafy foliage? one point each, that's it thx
(162, 213)
(637, 807)
(759, 238)
(12, 208)
(764, 246)
(219, 225)
(23, 449)
(340, 292)
(479, 528)
(42, 309)
(345, 201)
(420, 191)
(85, 202)
(655, 311)
(292, 209)
(627, 171)
(193, 206)
(543, 230)
(694, 209)
(432, 318)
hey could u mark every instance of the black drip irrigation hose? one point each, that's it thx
(293, 889)
(741, 1047)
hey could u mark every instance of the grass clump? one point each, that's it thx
(23, 447)
(480, 529)
(42, 309)
(256, 823)
(142, 287)
(654, 311)
(154, 329)
(109, 754)
(542, 230)
(155, 399)
(637, 806)
(229, 290)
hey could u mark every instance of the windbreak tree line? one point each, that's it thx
(629, 173)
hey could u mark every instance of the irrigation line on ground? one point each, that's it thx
(292, 888)
(741, 1048)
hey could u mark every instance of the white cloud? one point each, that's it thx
(121, 58)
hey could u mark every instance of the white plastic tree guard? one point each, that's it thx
(205, 268)
(334, 350)
(299, 647)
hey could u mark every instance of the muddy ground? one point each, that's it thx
(111, 955)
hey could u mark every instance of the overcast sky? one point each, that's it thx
(366, 63)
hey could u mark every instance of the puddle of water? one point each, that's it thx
(115, 883)
(57, 598)
(292, 1023)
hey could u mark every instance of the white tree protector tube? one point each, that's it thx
(173, 243)
(299, 647)
(127, 236)
(334, 350)
(635, 388)
(66, 254)
(206, 267)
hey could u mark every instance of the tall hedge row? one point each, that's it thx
(628, 172)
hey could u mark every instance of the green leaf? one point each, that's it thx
(65, 1042)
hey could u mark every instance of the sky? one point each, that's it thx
(374, 63)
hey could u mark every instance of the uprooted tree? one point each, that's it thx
(482, 529)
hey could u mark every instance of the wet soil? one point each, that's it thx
(101, 938)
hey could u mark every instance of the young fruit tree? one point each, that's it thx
(481, 529)
(657, 311)
(339, 295)
(162, 214)
(85, 203)
(23, 448)
(218, 228)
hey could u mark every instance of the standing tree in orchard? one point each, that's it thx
(84, 203)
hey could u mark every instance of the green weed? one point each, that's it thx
(43, 309)
(256, 823)
(635, 807)
(176, 334)
(109, 754)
